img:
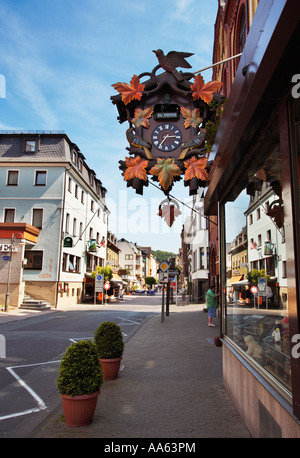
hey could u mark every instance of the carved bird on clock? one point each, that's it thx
(195, 142)
(173, 60)
(139, 143)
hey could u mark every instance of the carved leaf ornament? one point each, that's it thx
(192, 117)
(195, 168)
(131, 91)
(141, 117)
(169, 210)
(204, 91)
(136, 168)
(165, 170)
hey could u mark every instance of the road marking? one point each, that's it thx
(41, 404)
(123, 320)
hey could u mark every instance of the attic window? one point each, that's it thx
(30, 146)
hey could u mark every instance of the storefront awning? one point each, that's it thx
(236, 278)
(116, 279)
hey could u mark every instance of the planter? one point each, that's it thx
(79, 410)
(110, 368)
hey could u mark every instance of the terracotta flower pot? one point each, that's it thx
(110, 368)
(79, 410)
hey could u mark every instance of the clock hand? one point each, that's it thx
(167, 136)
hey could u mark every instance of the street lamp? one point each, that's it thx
(22, 242)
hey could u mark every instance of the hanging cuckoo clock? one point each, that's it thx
(166, 134)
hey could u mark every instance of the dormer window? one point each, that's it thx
(30, 146)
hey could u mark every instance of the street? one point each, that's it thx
(35, 346)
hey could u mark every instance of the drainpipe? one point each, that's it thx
(61, 237)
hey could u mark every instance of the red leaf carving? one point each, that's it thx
(196, 168)
(136, 168)
(204, 91)
(130, 91)
(141, 117)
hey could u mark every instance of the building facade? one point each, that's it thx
(257, 148)
(195, 233)
(47, 184)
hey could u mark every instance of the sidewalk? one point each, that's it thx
(170, 387)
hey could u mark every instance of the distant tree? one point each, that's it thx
(163, 255)
(150, 281)
(254, 274)
(106, 271)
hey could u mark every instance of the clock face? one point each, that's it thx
(166, 137)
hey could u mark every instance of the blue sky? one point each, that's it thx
(60, 58)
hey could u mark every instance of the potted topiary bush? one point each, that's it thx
(108, 339)
(79, 381)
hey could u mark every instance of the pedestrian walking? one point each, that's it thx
(211, 304)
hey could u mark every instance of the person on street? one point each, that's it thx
(211, 304)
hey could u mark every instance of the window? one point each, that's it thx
(74, 227)
(76, 191)
(9, 215)
(40, 178)
(201, 257)
(34, 260)
(71, 263)
(30, 146)
(37, 217)
(242, 32)
(13, 178)
(128, 266)
(70, 185)
(67, 229)
(128, 256)
(80, 231)
(74, 157)
(82, 197)
(92, 205)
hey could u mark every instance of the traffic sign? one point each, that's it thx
(163, 277)
(106, 285)
(253, 289)
(99, 279)
(164, 266)
(173, 272)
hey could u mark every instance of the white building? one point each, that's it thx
(266, 242)
(47, 184)
(196, 236)
(131, 259)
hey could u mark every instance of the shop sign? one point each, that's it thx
(93, 245)
(68, 242)
(6, 247)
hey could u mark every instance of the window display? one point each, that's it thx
(256, 293)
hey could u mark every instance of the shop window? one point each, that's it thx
(34, 260)
(257, 319)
